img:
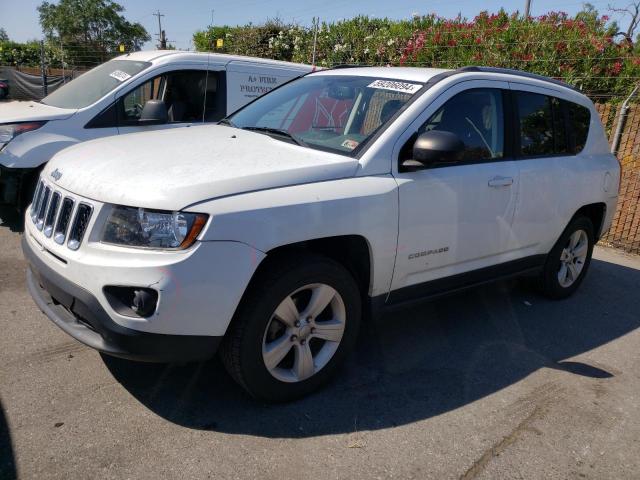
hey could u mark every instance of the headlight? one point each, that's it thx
(10, 131)
(139, 227)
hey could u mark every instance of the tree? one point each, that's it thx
(90, 31)
(633, 12)
(3, 35)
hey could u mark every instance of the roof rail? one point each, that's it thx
(519, 73)
(346, 65)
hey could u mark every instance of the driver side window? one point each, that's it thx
(134, 101)
(182, 91)
(476, 117)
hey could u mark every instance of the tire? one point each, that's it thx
(270, 321)
(559, 279)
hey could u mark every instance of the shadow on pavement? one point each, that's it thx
(413, 364)
(7, 457)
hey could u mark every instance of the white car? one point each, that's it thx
(341, 193)
(133, 93)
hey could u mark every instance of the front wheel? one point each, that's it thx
(569, 260)
(294, 327)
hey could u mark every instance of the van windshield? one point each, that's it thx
(337, 113)
(95, 84)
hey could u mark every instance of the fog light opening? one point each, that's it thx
(144, 302)
(132, 301)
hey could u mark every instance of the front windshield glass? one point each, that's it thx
(337, 113)
(95, 84)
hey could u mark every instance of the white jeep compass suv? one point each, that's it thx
(342, 192)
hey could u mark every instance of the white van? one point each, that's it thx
(135, 92)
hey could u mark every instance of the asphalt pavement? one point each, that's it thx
(493, 383)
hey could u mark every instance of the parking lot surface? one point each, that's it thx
(496, 382)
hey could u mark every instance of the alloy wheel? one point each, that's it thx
(573, 258)
(304, 332)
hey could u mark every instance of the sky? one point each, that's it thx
(183, 17)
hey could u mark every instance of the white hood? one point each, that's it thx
(172, 169)
(12, 112)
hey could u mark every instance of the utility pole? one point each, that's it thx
(316, 23)
(162, 39)
(527, 9)
(43, 70)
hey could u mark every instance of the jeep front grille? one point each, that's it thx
(51, 214)
(60, 232)
(44, 201)
(36, 199)
(79, 226)
(60, 216)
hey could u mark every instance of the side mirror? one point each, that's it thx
(432, 148)
(154, 113)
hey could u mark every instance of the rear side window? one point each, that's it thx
(536, 124)
(550, 126)
(579, 120)
(560, 135)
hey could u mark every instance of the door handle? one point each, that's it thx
(499, 181)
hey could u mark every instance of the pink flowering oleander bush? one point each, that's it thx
(581, 49)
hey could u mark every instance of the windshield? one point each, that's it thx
(95, 84)
(336, 113)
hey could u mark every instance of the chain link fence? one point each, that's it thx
(625, 231)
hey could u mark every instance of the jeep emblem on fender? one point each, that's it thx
(56, 174)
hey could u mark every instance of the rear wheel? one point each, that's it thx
(569, 260)
(294, 328)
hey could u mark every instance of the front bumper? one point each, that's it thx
(78, 313)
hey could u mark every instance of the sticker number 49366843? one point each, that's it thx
(396, 86)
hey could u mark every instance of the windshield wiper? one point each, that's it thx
(277, 131)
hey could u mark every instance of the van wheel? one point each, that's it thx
(569, 259)
(293, 329)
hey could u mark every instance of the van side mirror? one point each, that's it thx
(154, 113)
(432, 148)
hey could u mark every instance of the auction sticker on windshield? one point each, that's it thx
(396, 86)
(120, 75)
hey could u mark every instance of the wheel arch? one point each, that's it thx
(596, 213)
(351, 251)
